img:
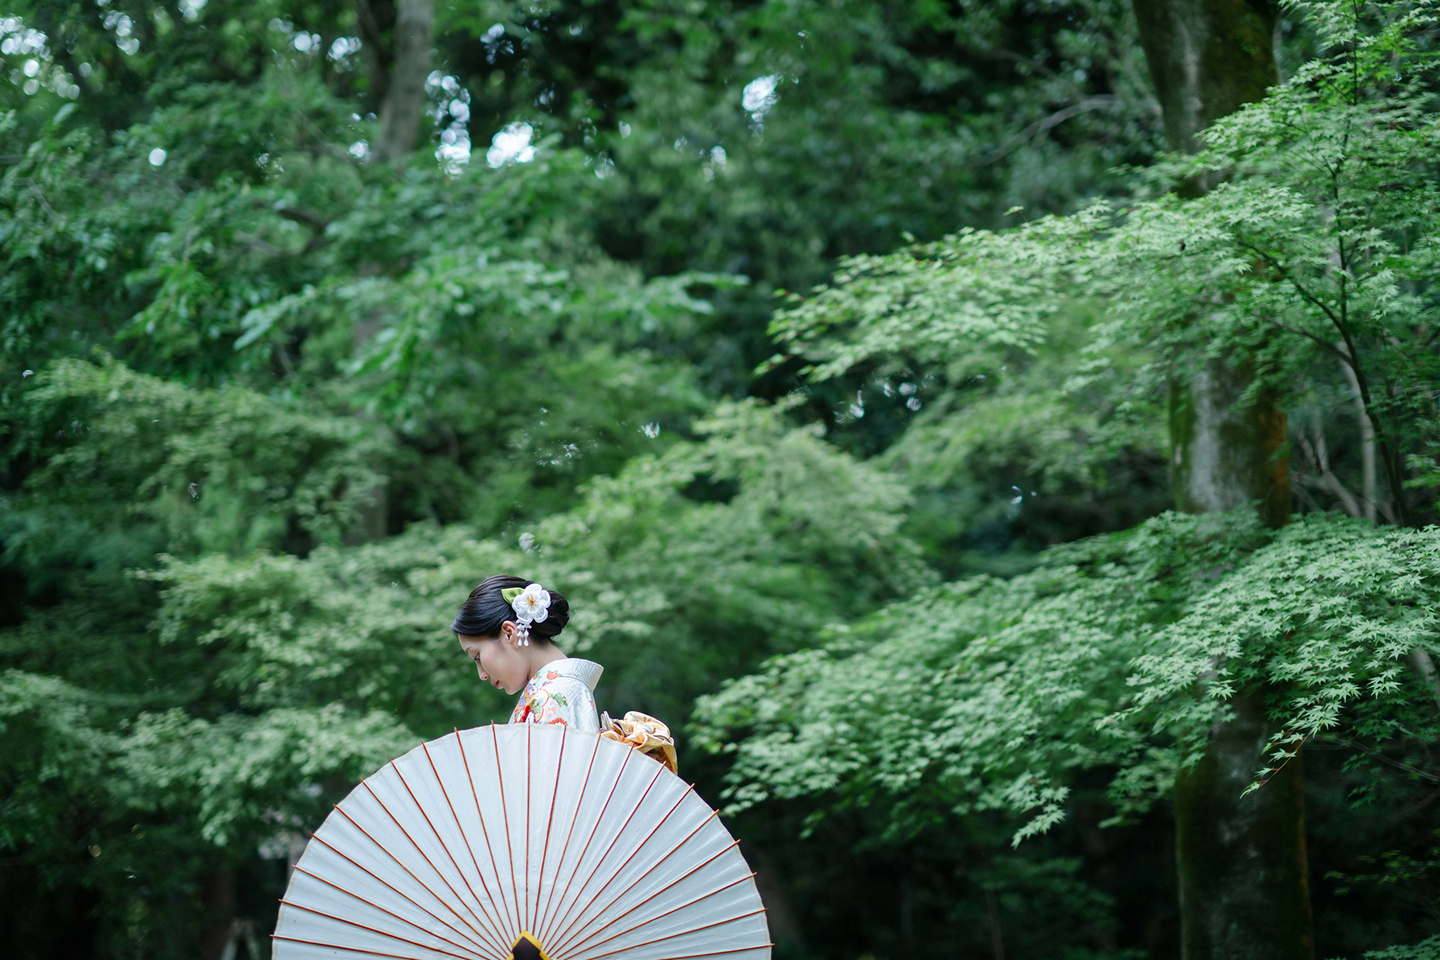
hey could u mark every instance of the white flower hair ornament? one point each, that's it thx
(531, 605)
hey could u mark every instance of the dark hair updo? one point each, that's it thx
(485, 610)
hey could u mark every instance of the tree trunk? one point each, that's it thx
(218, 894)
(1368, 490)
(1206, 58)
(1225, 456)
(1243, 877)
(397, 72)
(375, 22)
(1241, 860)
(404, 102)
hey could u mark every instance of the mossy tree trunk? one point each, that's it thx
(1241, 859)
(1206, 59)
(1243, 878)
(1224, 455)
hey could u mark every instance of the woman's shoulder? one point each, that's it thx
(558, 681)
(563, 689)
(558, 699)
(574, 668)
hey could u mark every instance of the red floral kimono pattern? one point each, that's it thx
(562, 692)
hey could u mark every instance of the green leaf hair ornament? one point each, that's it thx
(531, 605)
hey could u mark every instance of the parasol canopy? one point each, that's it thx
(524, 841)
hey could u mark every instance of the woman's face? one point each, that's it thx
(497, 660)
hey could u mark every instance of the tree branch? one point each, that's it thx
(316, 222)
(1331, 484)
(45, 204)
(1305, 333)
(1371, 751)
(1367, 444)
(1352, 358)
(1045, 123)
(1326, 480)
(300, 215)
(1309, 297)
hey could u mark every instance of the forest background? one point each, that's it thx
(314, 312)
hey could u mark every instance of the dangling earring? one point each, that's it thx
(521, 635)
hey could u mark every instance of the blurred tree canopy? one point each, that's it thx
(315, 313)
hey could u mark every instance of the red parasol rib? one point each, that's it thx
(642, 867)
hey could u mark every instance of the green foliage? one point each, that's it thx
(1010, 445)
(52, 747)
(249, 778)
(744, 545)
(1313, 252)
(896, 119)
(449, 309)
(194, 470)
(1425, 950)
(1328, 613)
(657, 573)
(1116, 652)
(1021, 683)
(793, 133)
(1392, 867)
(98, 795)
(268, 683)
(955, 301)
(268, 410)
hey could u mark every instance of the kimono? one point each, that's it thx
(562, 692)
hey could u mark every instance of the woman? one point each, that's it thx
(508, 627)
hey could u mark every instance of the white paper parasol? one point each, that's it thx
(522, 840)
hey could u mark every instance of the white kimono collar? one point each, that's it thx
(586, 671)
